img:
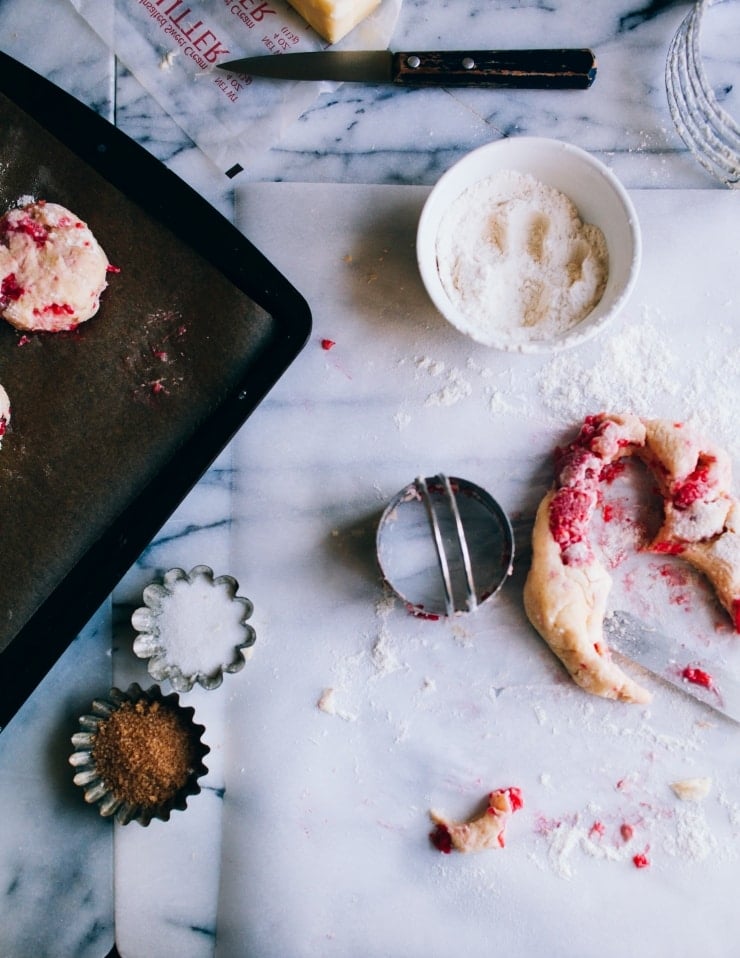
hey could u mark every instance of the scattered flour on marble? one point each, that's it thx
(731, 807)
(567, 839)
(540, 713)
(691, 839)
(637, 370)
(498, 404)
(455, 389)
(455, 386)
(434, 367)
(378, 657)
(634, 369)
(343, 697)
(402, 419)
(384, 655)
(461, 634)
(662, 829)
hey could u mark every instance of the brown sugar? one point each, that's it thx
(144, 752)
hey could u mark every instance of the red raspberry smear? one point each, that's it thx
(697, 677)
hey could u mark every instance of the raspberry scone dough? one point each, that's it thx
(52, 269)
(486, 831)
(567, 604)
(566, 589)
(701, 515)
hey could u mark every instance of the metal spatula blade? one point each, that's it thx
(705, 680)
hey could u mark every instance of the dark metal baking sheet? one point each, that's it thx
(113, 423)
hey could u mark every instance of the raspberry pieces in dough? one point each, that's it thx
(52, 269)
(701, 518)
(486, 831)
(567, 587)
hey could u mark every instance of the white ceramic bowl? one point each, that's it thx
(599, 197)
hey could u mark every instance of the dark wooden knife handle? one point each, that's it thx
(522, 69)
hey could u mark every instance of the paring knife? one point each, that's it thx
(533, 69)
(710, 683)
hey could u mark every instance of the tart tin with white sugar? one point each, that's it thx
(600, 200)
(193, 628)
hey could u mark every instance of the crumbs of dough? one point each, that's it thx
(691, 789)
(485, 831)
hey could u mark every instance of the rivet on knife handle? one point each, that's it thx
(524, 69)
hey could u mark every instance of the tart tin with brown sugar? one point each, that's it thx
(139, 755)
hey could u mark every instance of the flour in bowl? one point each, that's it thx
(516, 260)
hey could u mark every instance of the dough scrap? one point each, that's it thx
(52, 269)
(567, 587)
(485, 831)
(691, 789)
(567, 604)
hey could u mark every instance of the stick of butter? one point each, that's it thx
(333, 19)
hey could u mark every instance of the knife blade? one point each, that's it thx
(705, 680)
(532, 69)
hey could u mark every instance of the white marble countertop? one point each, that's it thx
(56, 870)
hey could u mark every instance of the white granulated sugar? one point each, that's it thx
(199, 625)
(517, 262)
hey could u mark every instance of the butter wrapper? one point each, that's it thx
(173, 47)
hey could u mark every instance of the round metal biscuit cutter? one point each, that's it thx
(444, 545)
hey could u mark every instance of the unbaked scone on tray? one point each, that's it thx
(565, 594)
(52, 269)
